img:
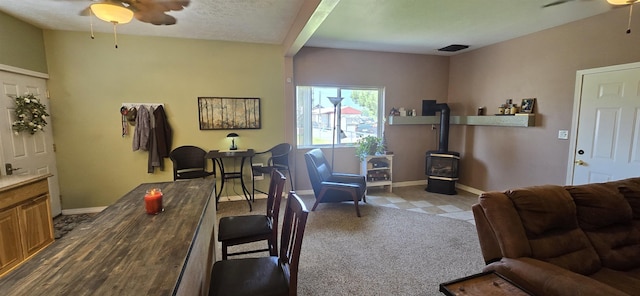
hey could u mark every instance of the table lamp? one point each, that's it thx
(233, 141)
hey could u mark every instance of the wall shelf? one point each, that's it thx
(527, 120)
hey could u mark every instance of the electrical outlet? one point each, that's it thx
(260, 176)
(563, 134)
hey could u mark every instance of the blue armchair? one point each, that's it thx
(333, 187)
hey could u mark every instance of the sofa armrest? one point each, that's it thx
(488, 242)
(542, 278)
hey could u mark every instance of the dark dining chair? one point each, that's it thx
(329, 186)
(188, 162)
(236, 230)
(278, 159)
(266, 275)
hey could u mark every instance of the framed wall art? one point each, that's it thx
(219, 113)
(527, 105)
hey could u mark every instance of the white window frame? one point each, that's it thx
(307, 117)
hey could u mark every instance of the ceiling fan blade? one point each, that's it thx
(555, 3)
(85, 12)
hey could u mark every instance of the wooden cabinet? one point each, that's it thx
(26, 226)
(379, 170)
(10, 244)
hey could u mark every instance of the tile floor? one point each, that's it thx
(413, 198)
(416, 199)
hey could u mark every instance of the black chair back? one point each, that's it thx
(293, 225)
(188, 162)
(280, 156)
(318, 168)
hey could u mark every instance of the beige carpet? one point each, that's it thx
(385, 252)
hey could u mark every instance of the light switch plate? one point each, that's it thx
(563, 134)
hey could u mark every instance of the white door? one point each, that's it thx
(607, 143)
(27, 154)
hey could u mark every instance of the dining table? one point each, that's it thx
(126, 251)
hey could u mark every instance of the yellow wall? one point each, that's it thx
(22, 45)
(90, 79)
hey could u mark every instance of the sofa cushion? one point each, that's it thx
(544, 209)
(619, 280)
(631, 192)
(548, 215)
(618, 246)
(606, 217)
(599, 205)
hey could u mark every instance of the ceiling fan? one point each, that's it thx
(148, 11)
(616, 3)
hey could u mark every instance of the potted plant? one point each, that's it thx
(369, 145)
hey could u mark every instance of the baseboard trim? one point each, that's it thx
(79, 211)
(469, 189)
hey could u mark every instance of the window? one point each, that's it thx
(359, 114)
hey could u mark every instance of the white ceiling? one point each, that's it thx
(410, 26)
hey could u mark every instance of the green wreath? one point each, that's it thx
(30, 113)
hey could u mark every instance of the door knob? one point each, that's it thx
(9, 169)
(579, 162)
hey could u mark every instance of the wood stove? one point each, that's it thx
(442, 171)
(441, 166)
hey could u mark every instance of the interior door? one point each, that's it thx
(27, 154)
(608, 140)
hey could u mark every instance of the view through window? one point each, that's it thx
(358, 115)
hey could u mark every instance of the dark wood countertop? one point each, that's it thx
(124, 251)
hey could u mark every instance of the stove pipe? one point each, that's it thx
(443, 144)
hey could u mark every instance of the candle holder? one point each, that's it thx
(153, 201)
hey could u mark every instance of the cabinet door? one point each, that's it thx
(10, 247)
(37, 225)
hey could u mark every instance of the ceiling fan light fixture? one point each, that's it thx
(112, 12)
(621, 2)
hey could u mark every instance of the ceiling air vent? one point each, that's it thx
(454, 47)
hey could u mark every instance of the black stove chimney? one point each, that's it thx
(443, 144)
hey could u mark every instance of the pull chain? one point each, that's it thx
(630, 13)
(115, 34)
(91, 23)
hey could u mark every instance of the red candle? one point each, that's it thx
(153, 201)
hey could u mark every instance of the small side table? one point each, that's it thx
(486, 283)
(217, 157)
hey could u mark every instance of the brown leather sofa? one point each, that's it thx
(564, 240)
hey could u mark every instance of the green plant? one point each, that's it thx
(369, 145)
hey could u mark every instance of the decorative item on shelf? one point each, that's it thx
(233, 137)
(527, 105)
(394, 112)
(335, 101)
(369, 145)
(30, 113)
(514, 109)
(481, 111)
(153, 201)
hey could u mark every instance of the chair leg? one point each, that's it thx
(272, 248)
(354, 195)
(291, 180)
(319, 198)
(224, 250)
